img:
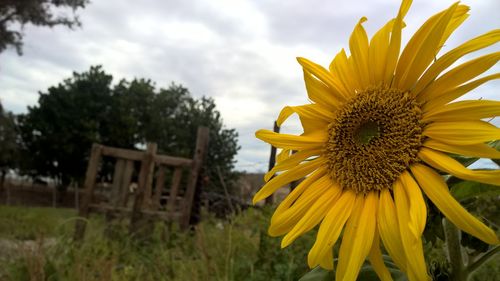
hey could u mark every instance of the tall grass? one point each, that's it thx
(36, 244)
(233, 249)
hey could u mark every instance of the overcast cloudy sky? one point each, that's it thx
(240, 52)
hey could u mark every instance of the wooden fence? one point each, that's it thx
(146, 199)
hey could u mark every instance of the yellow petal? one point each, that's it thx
(310, 111)
(447, 164)
(295, 205)
(296, 173)
(283, 155)
(340, 68)
(422, 48)
(358, 238)
(418, 210)
(376, 260)
(327, 260)
(291, 141)
(395, 42)
(319, 93)
(464, 110)
(436, 189)
(403, 9)
(313, 127)
(358, 45)
(447, 96)
(412, 244)
(294, 160)
(462, 133)
(377, 54)
(331, 227)
(479, 150)
(458, 18)
(388, 228)
(314, 215)
(324, 76)
(452, 56)
(459, 75)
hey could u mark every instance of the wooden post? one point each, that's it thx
(114, 195)
(145, 177)
(77, 196)
(199, 155)
(148, 184)
(117, 182)
(160, 182)
(89, 185)
(272, 161)
(174, 190)
(7, 191)
(54, 195)
(127, 178)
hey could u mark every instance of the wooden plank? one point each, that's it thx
(272, 161)
(127, 178)
(117, 182)
(114, 195)
(199, 155)
(160, 182)
(123, 153)
(174, 190)
(173, 161)
(89, 185)
(148, 194)
(147, 166)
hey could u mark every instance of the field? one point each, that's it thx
(35, 244)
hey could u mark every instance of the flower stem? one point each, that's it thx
(458, 271)
(484, 258)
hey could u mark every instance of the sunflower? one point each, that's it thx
(380, 125)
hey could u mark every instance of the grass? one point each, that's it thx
(235, 249)
(41, 249)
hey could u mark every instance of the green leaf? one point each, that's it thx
(469, 189)
(466, 161)
(318, 274)
(366, 273)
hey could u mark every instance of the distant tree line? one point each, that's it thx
(54, 137)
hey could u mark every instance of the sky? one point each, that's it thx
(242, 53)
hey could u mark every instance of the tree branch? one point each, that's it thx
(7, 18)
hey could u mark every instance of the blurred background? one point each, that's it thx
(127, 73)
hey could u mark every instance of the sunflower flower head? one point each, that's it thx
(381, 124)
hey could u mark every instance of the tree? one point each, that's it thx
(57, 133)
(8, 143)
(15, 14)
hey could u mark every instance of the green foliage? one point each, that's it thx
(214, 250)
(8, 141)
(465, 190)
(15, 13)
(57, 133)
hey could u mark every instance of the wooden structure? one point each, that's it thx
(146, 199)
(272, 161)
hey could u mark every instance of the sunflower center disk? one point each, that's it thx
(374, 138)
